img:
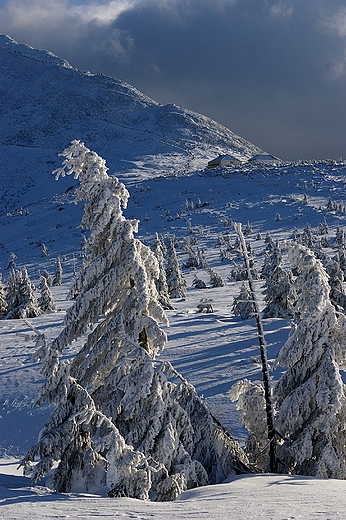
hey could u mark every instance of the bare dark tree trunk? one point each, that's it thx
(263, 353)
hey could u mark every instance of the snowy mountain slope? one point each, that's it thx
(45, 103)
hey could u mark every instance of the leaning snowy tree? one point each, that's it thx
(310, 396)
(121, 419)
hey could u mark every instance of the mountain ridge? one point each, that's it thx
(46, 103)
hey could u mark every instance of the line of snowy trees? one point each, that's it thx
(309, 399)
(18, 294)
(120, 417)
(125, 420)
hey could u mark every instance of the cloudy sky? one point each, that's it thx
(273, 71)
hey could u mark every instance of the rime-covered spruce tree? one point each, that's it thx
(21, 296)
(198, 283)
(310, 396)
(121, 419)
(57, 280)
(215, 279)
(243, 304)
(175, 280)
(3, 302)
(46, 300)
(161, 281)
(278, 292)
(251, 403)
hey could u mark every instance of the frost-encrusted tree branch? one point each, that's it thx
(118, 418)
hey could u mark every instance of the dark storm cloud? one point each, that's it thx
(272, 71)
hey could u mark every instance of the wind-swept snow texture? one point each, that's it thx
(211, 350)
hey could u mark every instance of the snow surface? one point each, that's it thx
(242, 498)
(212, 351)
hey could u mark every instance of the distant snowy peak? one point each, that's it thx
(46, 103)
(70, 99)
(9, 44)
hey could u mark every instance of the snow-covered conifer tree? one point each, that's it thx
(215, 279)
(57, 280)
(3, 302)
(238, 272)
(331, 205)
(21, 296)
(247, 229)
(279, 296)
(278, 292)
(342, 260)
(48, 278)
(243, 304)
(121, 418)
(29, 307)
(310, 396)
(269, 242)
(12, 261)
(196, 257)
(46, 301)
(175, 280)
(308, 238)
(12, 292)
(161, 281)
(252, 406)
(198, 283)
(336, 278)
(297, 236)
(323, 227)
(273, 258)
(340, 240)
